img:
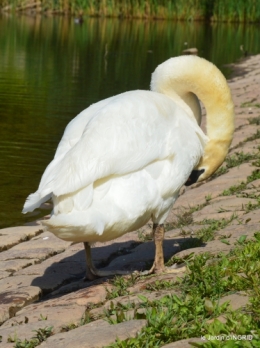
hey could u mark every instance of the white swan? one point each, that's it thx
(124, 159)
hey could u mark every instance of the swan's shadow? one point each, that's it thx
(67, 274)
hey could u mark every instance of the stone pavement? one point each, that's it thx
(41, 277)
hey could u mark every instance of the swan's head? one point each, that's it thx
(214, 155)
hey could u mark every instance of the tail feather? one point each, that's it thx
(34, 201)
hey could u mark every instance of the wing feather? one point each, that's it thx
(116, 136)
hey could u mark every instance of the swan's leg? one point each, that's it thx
(158, 235)
(158, 265)
(92, 272)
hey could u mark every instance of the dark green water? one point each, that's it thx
(52, 68)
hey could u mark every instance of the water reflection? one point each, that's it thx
(52, 68)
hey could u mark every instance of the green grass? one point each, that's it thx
(235, 189)
(207, 233)
(237, 159)
(120, 286)
(40, 336)
(195, 312)
(254, 136)
(184, 218)
(254, 120)
(250, 104)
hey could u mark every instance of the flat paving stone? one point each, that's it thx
(62, 315)
(38, 248)
(12, 266)
(14, 235)
(46, 240)
(223, 207)
(15, 283)
(244, 133)
(14, 300)
(4, 274)
(95, 335)
(254, 184)
(236, 301)
(24, 331)
(185, 343)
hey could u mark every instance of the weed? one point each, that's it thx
(144, 237)
(222, 170)
(234, 189)
(120, 286)
(118, 312)
(254, 120)
(206, 233)
(160, 285)
(208, 197)
(86, 318)
(185, 217)
(254, 137)
(238, 158)
(234, 161)
(252, 206)
(42, 317)
(179, 260)
(241, 239)
(250, 104)
(238, 188)
(40, 335)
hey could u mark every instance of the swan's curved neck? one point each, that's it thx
(185, 74)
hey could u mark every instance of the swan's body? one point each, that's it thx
(124, 159)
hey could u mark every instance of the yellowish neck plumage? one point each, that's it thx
(185, 74)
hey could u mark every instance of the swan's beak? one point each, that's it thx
(195, 174)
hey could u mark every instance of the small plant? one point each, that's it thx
(255, 136)
(252, 206)
(250, 104)
(86, 318)
(234, 161)
(144, 237)
(42, 317)
(185, 218)
(40, 335)
(208, 197)
(242, 186)
(160, 285)
(120, 286)
(206, 233)
(254, 120)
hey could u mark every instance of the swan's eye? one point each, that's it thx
(195, 174)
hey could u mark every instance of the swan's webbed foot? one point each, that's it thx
(92, 272)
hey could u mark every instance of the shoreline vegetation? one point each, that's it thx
(189, 10)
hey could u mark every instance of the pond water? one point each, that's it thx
(52, 68)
